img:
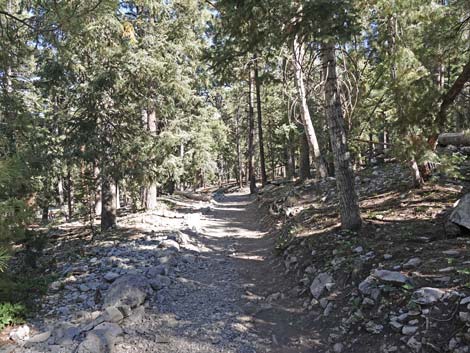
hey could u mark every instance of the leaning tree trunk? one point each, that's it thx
(108, 201)
(348, 200)
(304, 165)
(251, 134)
(448, 99)
(151, 188)
(298, 57)
(262, 162)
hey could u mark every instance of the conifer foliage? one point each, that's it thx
(110, 103)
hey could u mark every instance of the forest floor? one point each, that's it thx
(220, 295)
(271, 273)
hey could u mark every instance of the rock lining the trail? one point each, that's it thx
(128, 295)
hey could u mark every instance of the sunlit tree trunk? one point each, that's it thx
(151, 189)
(304, 166)
(298, 57)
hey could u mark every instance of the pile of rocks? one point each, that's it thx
(107, 289)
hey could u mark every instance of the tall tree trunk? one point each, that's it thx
(118, 196)
(290, 162)
(304, 167)
(60, 191)
(298, 57)
(151, 191)
(348, 200)
(251, 134)
(96, 176)
(239, 151)
(69, 194)
(262, 162)
(108, 199)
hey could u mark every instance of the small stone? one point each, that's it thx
(368, 302)
(403, 317)
(396, 326)
(319, 284)
(369, 287)
(40, 337)
(409, 330)
(169, 244)
(55, 286)
(428, 295)
(111, 276)
(159, 282)
(20, 334)
(338, 347)
(464, 316)
(374, 328)
(387, 256)
(465, 301)
(328, 309)
(391, 277)
(112, 314)
(84, 288)
(412, 263)
(451, 253)
(358, 250)
(131, 290)
(414, 344)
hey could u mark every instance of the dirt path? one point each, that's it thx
(220, 304)
(266, 292)
(223, 291)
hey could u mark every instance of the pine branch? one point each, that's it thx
(24, 22)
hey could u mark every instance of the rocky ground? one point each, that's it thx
(267, 274)
(402, 284)
(181, 280)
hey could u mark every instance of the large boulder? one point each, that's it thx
(128, 290)
(461, 213)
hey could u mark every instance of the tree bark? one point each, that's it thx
(262, 162)
(118, 196)
(108, 199)
(318, 161)
(348, 200)
(456, 139)
(96, 176)
(60, 191)
(304, 167)
(239, 151)
(151, 189)
(449, 97)
(251, 134)
(69, 194)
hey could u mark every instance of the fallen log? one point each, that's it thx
(457, 139)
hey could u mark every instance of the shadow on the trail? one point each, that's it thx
(239, 265)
